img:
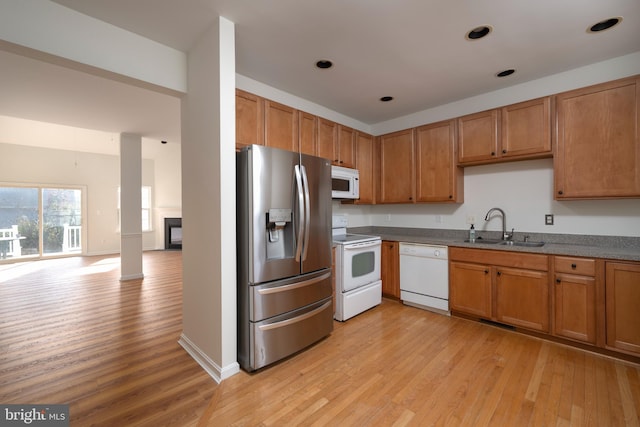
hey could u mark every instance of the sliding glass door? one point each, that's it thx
(38, 221)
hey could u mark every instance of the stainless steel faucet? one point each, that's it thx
(505, 234)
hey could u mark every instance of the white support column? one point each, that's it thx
(130, 207)
(208, 203)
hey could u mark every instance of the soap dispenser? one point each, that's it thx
(472, 234)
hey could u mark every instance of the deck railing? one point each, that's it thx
(72, 238)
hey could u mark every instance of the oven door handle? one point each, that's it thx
(357, 246)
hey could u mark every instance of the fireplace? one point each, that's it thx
(173, 233)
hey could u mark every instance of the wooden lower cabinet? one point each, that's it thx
(577, 296)
(522, 298)
(390, 269)
(622, 293)
(470, 290)
(511, 288)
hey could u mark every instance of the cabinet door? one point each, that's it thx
(390, 269)
(522, 298)
(397, 176)
(281, 126)
(346, 146)
(478, 137)
(575, 307)
(249, 119)
(598, 150)
(328, 140)
(308, 133)
(622, 295)
(470, 289)
(526, 129)
(438, 179)
(365, 165)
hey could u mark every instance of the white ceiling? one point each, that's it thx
(413, 50)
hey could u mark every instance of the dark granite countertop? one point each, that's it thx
(608, 247)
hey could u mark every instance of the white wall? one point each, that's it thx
(524, 190)
(100, 173)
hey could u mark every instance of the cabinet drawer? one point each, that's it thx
(580, 266)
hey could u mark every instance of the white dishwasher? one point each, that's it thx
(424, 276)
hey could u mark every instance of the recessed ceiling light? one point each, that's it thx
(324, 63)
(604, 25)
(478, 32)
(386, 98)
(505, 73)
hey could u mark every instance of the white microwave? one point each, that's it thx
(345, 183)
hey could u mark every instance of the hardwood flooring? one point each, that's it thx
(70, 332)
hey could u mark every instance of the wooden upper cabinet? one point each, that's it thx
(281, 126)
(526, 129)
(346, 147)
(438, 178)
(249, 119)
(478, 137)
(514, 132)
(397, 164)
(327, 139)
(365, 163)
(597, 142)
(308, 133)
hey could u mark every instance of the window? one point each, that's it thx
(145, 192)
(40, 220)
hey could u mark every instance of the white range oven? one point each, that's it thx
(358, 284)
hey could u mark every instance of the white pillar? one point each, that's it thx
(208, 203)
(130, 207)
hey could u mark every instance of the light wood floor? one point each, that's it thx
(72, 333)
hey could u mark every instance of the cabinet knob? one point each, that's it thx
(410, 198)
(499, 274)
(558, 280)
(504, 151)
(493, 153)
(573, 266)
(560, 192)
(486, 272)
(451, 196)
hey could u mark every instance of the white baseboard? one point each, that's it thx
(212, 368)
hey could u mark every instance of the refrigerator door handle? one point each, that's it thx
(307, 217)
(301, 213)
(286, 288)
(295, 319)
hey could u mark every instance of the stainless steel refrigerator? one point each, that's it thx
(284, 253)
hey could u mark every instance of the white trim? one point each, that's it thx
(131, 277)
(212, 368)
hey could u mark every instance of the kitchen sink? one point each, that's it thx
(485, 241)
(524, 244)
(507, 242)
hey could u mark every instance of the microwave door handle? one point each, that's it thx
(307, 216)
(300, 213)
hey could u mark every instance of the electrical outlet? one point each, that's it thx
(548, 219)
(471, 219)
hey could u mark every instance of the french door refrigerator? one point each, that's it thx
(284, 253)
